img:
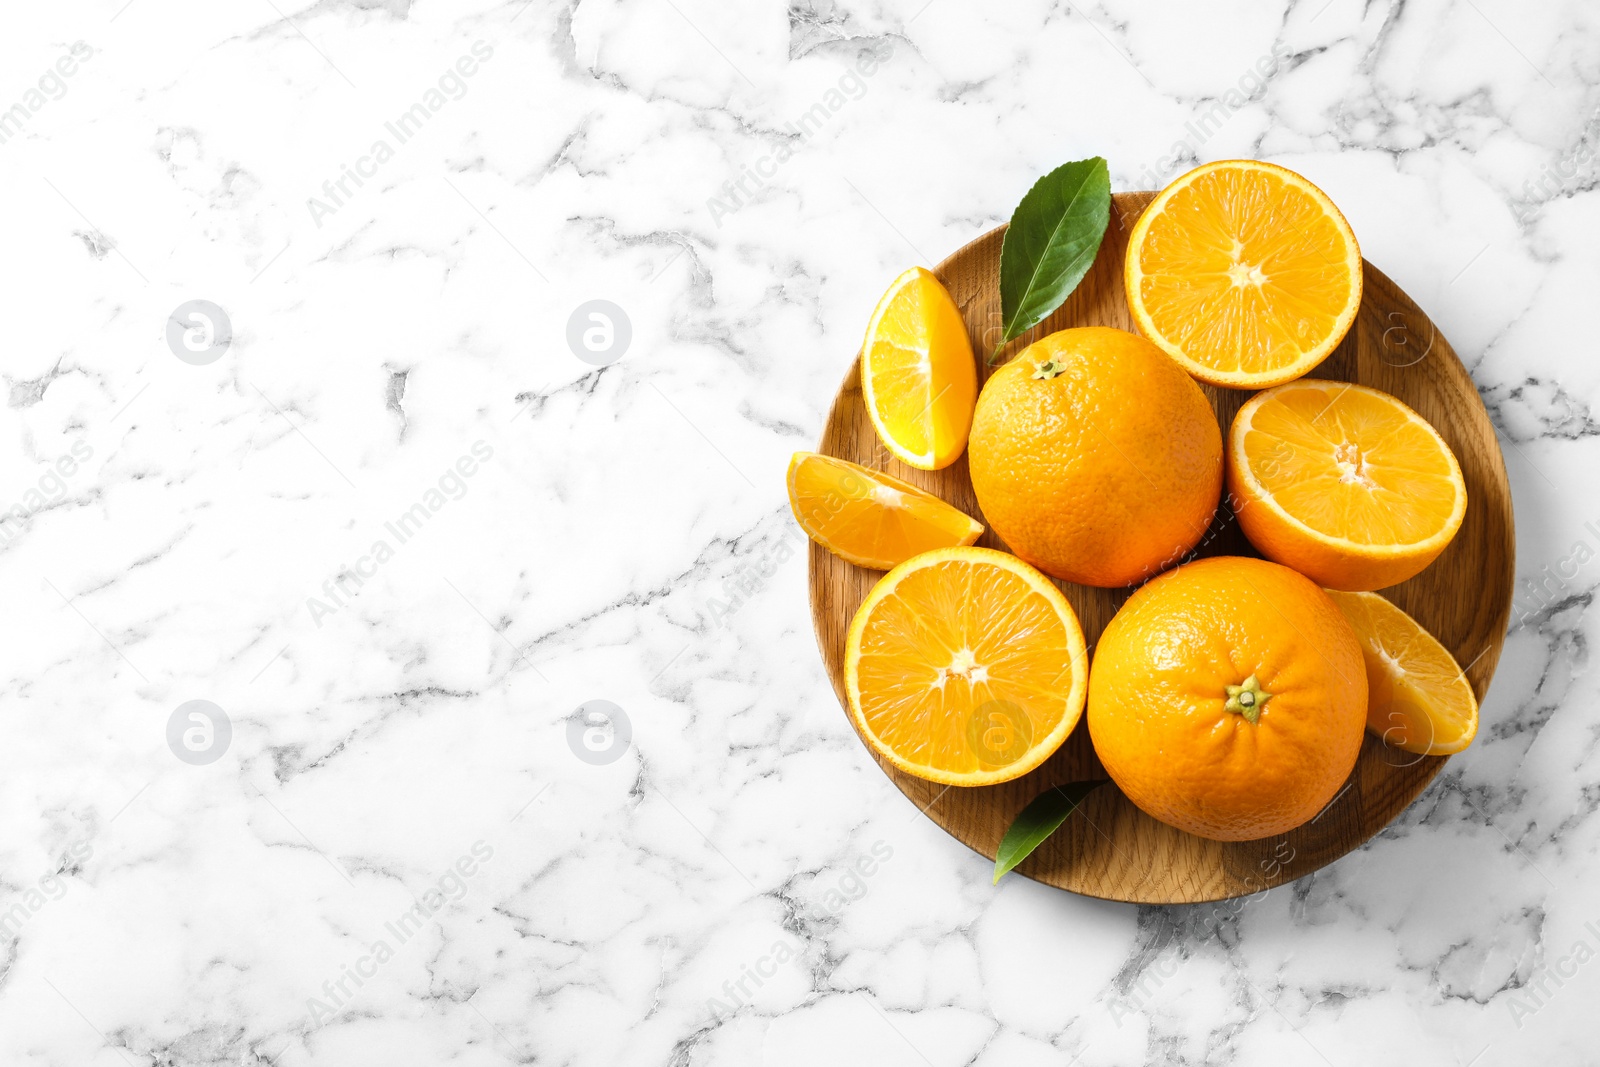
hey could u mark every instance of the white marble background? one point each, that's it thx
(405, 747)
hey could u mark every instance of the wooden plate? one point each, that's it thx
(1113, 850)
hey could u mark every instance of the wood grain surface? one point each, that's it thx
(1109, 848)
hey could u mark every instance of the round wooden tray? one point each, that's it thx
(1110, 849)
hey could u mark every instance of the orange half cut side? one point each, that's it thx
(965, 666)
(1244, 272)
(1344, 483)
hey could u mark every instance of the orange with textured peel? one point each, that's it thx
(870, 518)
(918, 375)
(1228, 699)
(965, 666)
(1244, 272)
(1343, 483)
(1095, 457)
(1418, 698)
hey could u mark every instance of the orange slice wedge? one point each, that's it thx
(870, 518)
(1243, 272)
(965, 666)
(1418, 699)
(917, 372)
(1343, 483)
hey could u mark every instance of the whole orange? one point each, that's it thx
(1228, 698)
(1095, 457)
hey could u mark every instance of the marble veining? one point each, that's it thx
(407, 666)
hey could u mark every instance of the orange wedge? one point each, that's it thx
(1418, 699)
(965, 666)
(1243, 272)
(917, 372)
(869, 518)
(1343, 483)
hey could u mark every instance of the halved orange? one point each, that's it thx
(1244, 272)
(965, 666)
(1418, 698)
(870, 518)
(917, 372)
(1343, 483)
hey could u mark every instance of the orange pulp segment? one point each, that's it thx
(870, 518)
(1418, 698)
(918, 375)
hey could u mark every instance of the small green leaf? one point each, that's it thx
(1051, 242)
(1041, 818)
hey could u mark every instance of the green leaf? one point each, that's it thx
(1051, 242)
(1039, 820)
